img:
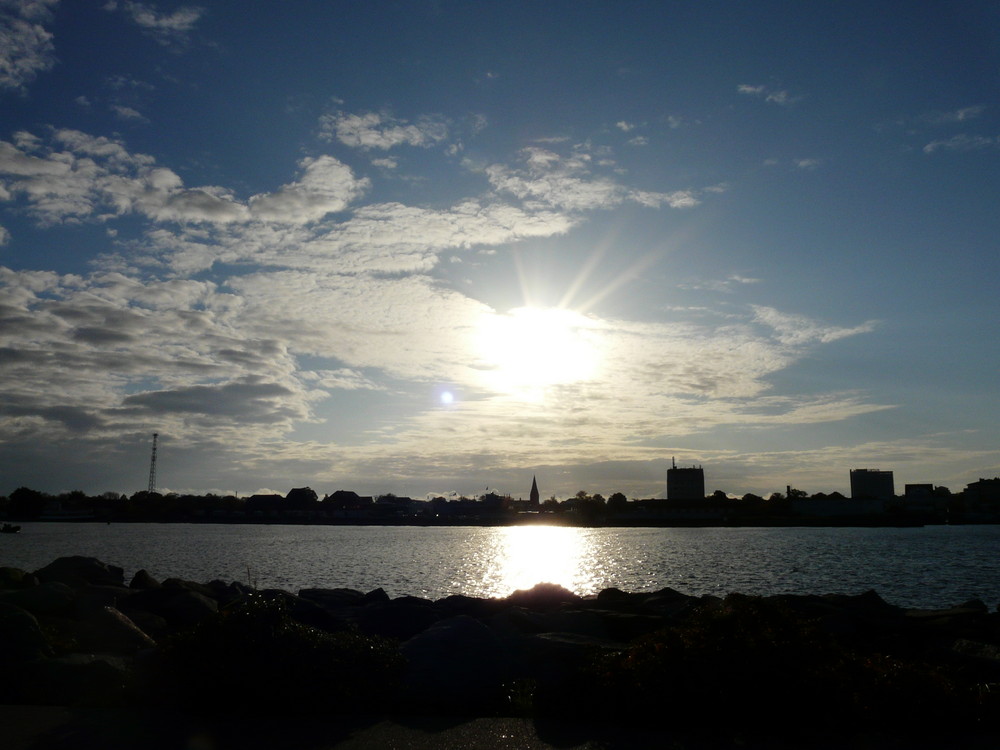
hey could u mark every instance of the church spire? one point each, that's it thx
(533, 497)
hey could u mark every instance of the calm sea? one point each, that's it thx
(935, 566)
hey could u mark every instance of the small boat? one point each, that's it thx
(9, 528)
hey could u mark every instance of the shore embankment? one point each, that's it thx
(739, 668)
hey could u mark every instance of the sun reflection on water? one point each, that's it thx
(525, 555)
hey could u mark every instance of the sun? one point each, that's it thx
(529, 349)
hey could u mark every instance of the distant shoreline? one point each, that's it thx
(557, 521)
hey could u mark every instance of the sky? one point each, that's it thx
(435, 248)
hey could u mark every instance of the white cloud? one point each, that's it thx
(774, 96)
(80, 177)
(962, 142)
(963, 114)
(797, 330)
(567, 183)
(726, 285)
(166, 28)
(373, 130)
(624, 126)
(808, 164)
(126, 113)
(326, 186)
(26, 47)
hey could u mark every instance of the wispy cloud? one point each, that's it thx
(26, 46)
(774, 96)
(127, 113)
(799, 330)
(567, 182)
(727, 285)
(962, 142)
(166, 27)
(963, 114)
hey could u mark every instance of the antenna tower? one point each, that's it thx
(152, 466)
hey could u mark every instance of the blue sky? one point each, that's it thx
(435, 247)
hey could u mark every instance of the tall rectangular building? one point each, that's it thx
(872, 484)
(685, 484)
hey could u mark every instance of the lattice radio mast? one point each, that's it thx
(152, 466)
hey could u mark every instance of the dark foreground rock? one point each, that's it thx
(76, 634)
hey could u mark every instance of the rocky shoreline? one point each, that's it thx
(75, 633)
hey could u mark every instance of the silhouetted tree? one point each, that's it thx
(617, 501)
(27, 503)
(301, 498)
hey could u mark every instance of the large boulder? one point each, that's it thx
(107, 630)
(21, 637)
(542, 597)
(83, 680)
(89, 598)
(81, 571)
(47, 599)
(457, 664)
(15, 578)
(181, 608)
(143, 580)
(333, 599)
(400, 618)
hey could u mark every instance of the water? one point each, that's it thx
(936, 566)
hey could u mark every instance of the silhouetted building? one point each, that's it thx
(533, 497)
(872, 484)
(985, 490)
(685, 484)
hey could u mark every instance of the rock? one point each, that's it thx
(517, 621)
(668, 603)
(15, 578)
(376, 596)
(89, 598)
(399, 618)
(457, 664)
(50, 598)
(76, 680)
(627, 626)
(227, 594)
(585, 623)
(542, 597)
(618, 599)
(555, 659)
(180, 607)
(199, 588)
(81, 571)
(869, 603)
(21, 637)
(109, 631)
(333, 599)
(143, 580)
(457, 604)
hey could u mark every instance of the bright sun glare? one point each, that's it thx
(531, 348)
(541, 554)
